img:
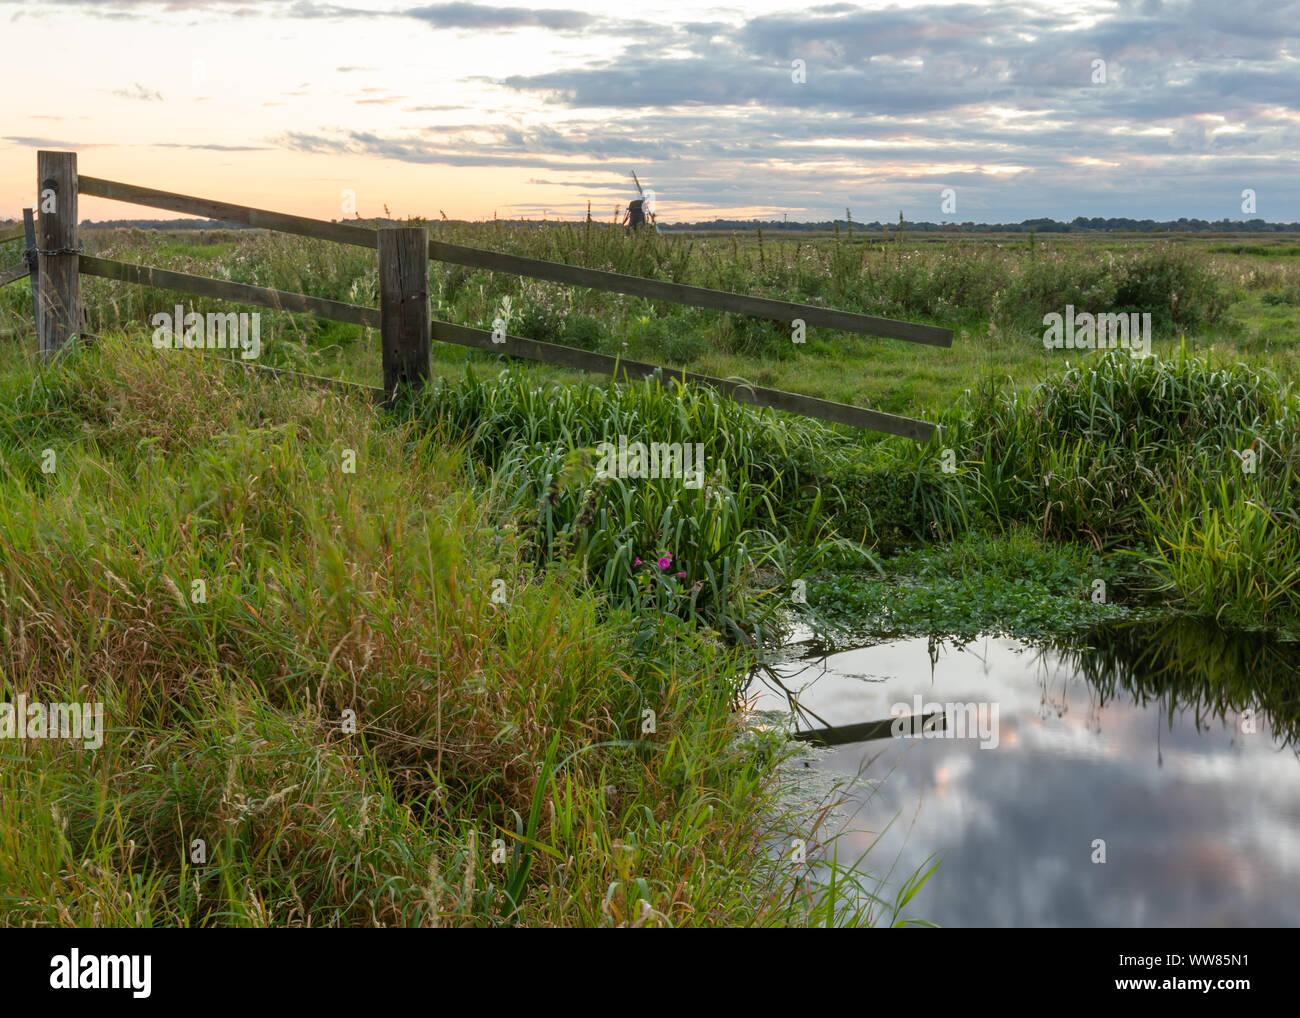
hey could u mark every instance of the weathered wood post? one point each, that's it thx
(404, 307)
(33, 265)
(59, 282)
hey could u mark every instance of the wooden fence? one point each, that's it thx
(55, 262)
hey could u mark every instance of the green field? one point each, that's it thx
(1174, 480)
(1239, 296)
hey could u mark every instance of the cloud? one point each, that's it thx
(456, 16)
(119, 9)
(1199, 101)
(210, 148)
(50, 143)
(998, 100)
(466, 146)
(484, 17)
(138, 91)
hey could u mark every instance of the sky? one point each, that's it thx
(1141, 109)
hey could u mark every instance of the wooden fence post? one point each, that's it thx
(404, 307)
(33, 266)
(59, 284)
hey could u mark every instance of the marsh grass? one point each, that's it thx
(1142, 461)
(476, 723)
(1145, 461)
(995, 293)
(732, 545)
(1194, 460)
(521, 723)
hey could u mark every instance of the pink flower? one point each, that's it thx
(681, 576)
(637, 562)
(665, 562)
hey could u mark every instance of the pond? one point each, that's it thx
(1145, 776)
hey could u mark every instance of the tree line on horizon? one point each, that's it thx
(1080, 224)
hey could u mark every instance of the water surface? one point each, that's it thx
(1172, 748)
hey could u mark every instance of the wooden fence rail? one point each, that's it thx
(403, 317)
(515, 346)
(741, 392)
(536, 268)
(13, 274)
(224, 289)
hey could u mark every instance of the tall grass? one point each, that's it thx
(722, 554)
(1147, 456)
(1230, 554)
(1083, 457)
(1084, 452)
(1190, 465)
(973, 285)
(501, 770)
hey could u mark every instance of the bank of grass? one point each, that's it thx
(1171, 480)
(524, 722)
(718, 555)
(1186, 470)
(504, 767)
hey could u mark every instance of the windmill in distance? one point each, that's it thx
(640, 210)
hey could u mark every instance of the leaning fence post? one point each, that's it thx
(59, 285)
(404, 307)
(33, 266)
